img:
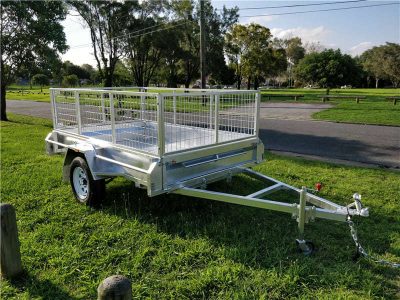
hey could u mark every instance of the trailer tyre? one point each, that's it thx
(85, 189)
(307, 249)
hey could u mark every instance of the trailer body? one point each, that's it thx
(174, 141)
(161, 141)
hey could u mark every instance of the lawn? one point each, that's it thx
(173, 247)
(16, 92)
(366, 112)
(375, 109)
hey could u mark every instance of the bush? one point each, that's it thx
(70, 80)
(40, 79)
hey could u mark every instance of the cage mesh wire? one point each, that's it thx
(236, 116)
(136, 121)
(65, 110)
(189, 119)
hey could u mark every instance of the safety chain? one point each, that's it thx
(361, 250)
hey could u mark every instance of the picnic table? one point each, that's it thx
(295, 96)
(327, 97)
(393, 98)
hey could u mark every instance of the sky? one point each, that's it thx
(353, 30)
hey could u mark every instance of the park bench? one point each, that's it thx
(393, 98)
(327, 97)
(283, 96)
(25, 92)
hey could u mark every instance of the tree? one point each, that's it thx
(392, 62)
(383, 62)
(294, 49)
(330, 68)
(91, 71)
(373, 61)
(168, 69)
(121, 75)
(70, 80)
(40, 79)
(68, 68)
(30, 33)
(143, 50)
(313, 47)
(250, 48)
(217, 25)
(106, 21)
(187, 13)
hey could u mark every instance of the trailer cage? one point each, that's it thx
(173, 141)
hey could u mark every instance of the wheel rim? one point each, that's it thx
(81, 183)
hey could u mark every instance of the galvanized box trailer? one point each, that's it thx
(172, 141)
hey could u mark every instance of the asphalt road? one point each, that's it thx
(287, 127)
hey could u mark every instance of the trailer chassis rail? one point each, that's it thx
(320, 208)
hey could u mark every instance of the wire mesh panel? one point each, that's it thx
(236, 116)
(65, 113)
(136, 121)
(188, 121)
(94, 113)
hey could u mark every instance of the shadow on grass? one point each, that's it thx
(265, 240)
(259, 239)
(43, 289)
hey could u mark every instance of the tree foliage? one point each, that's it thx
(294, 49)
(31, 33)
(329, 68)
(383, 62)
(41, 80)
(250, 49)
(106, 21)
(143, 50)
(70, 80)
(187, 14)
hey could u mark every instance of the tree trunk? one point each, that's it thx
(188, 78)
(139, 80)
(376, 82)
(3, 116)
(256, 83)
(248, 83)
(239, 81)
(108, 82)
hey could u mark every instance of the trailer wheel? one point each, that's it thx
(86, 190)
(307, 247)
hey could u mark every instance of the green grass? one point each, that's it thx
(25, 93)
(375, 109)
(173, 247)
(366, 112)
(311, 95)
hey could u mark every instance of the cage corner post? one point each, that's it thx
(161, 125)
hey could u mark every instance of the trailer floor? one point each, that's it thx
(144, 135)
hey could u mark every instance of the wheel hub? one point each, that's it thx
(80, 181)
